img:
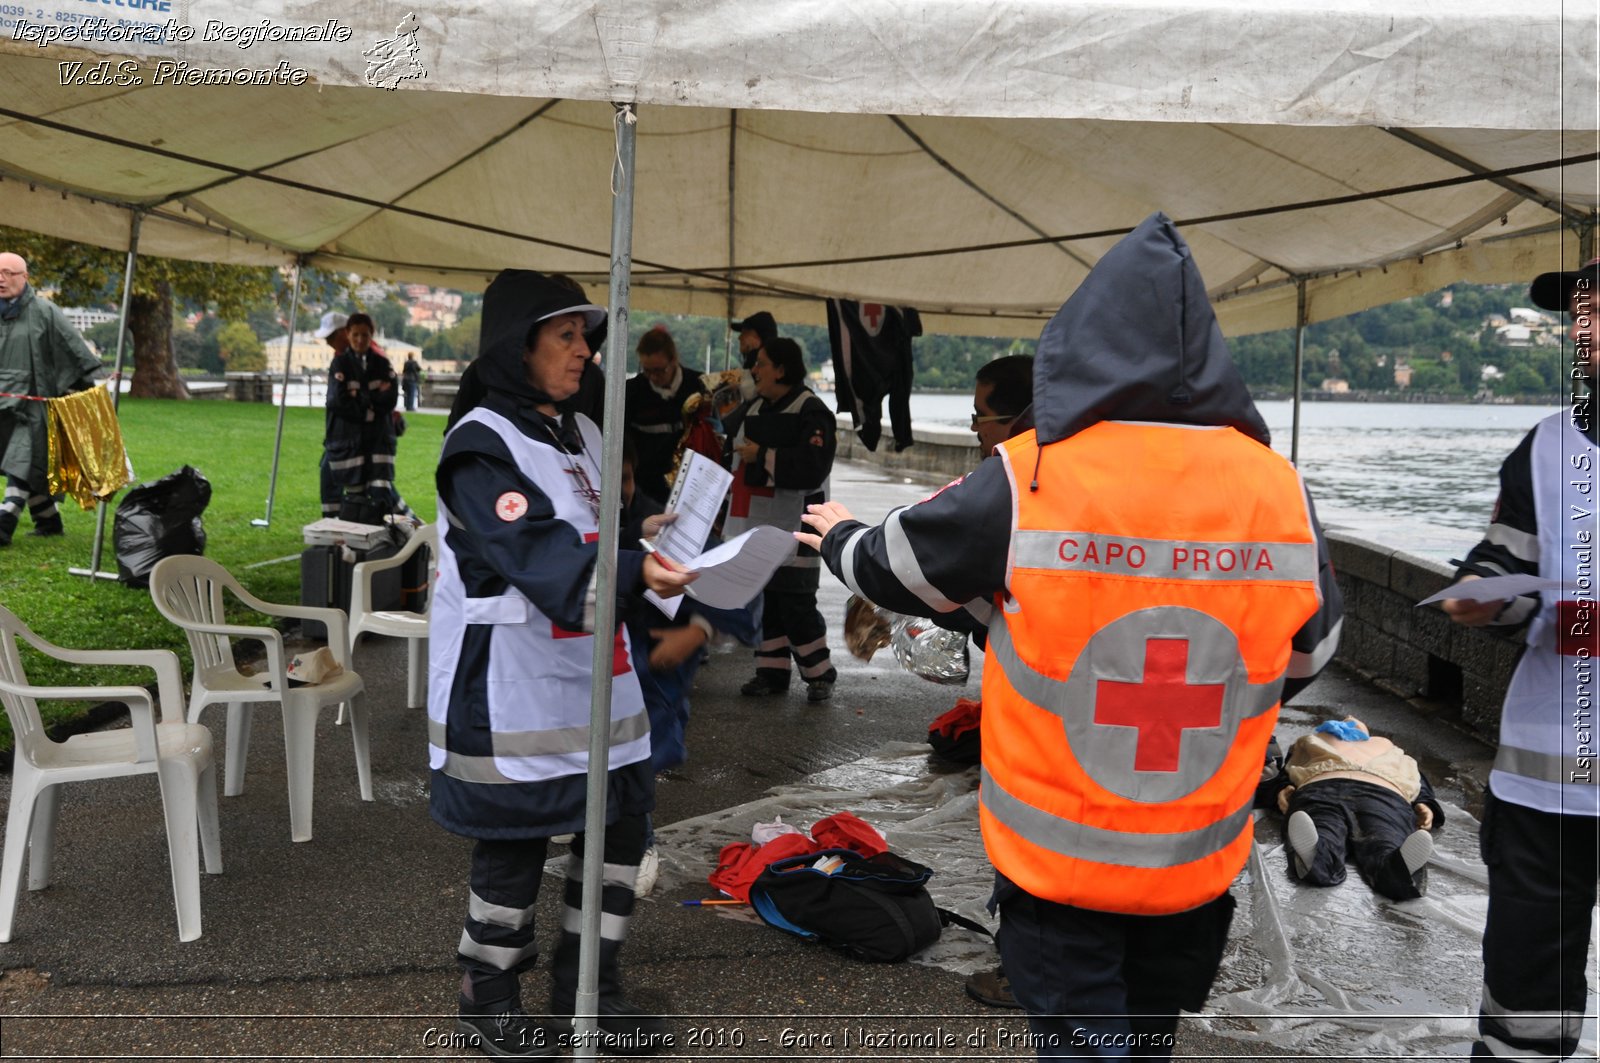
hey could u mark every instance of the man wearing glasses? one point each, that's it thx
(41, 357)
(1002, 390)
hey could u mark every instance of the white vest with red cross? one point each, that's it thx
(538, 679)
(1546, 758)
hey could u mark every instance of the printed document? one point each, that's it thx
(730, 575)
(1494, 589)
(696, 499)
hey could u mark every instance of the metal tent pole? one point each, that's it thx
(728, 340)
(1299, 360)
(93, 571)
(283, 399)
(586, 1011)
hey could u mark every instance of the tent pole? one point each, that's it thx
(733, 136)
(93, 571)
(283, 398)
(605, 614)
(1299, 362)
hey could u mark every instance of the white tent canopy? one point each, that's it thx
(924, 153)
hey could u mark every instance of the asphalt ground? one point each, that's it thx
(343, 947)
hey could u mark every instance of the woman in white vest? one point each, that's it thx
(1541, 819)
(511, 649)
(783, 442)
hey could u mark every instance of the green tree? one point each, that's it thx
(104, 337)
(187, 347)
(1520, 379)
(81, 273)
(1434, 376)
(392, 317)
(241, 348)
(205, 331)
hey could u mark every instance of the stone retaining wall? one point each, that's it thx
(938, 454)
(1418, 653)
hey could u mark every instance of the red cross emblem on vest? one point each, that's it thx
(871, 316)
(1161, 706)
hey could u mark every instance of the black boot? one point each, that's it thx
(500, 1027)
(623, 1029)
(767, 682)
(8, 526)
(50, 525)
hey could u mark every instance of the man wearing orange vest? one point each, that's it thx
(1157, 582)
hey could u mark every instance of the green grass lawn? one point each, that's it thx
(231, 444)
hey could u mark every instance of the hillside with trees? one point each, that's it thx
(1447, 339)
(1465, 341)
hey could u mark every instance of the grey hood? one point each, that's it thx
(1138, 341)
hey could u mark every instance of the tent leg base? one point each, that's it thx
(93, 574)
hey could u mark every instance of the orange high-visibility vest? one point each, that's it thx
(1157, 577)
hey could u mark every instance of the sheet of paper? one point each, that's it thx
(735, 572)
(1493, 589)
(668, 606)
(696, 499)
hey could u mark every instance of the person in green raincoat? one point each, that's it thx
(41, 357)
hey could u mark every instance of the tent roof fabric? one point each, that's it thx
(972, 160)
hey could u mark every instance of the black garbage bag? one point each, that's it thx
(160, 519)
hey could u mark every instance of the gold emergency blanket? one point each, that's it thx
(87, 459)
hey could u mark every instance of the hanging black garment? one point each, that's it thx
(872, 360)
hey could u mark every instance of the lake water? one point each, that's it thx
(1419, 477)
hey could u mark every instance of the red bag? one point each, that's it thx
(741, 863)
(845, 830)
(955, 735)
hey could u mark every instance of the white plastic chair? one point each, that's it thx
(396, 623)
(187, 590)
(177, 753)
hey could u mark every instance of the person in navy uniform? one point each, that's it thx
(511, 650)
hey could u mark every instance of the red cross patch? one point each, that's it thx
(510, 506)
(817, 439)
(1160, 707)
(871, 316)
(1168, 691)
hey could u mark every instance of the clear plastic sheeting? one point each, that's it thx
(1308, 970)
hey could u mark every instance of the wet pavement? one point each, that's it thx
(343, 946)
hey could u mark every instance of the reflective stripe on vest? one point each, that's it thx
(530, 745)
(1124, 848)
(1549, 767)
(1125, 555)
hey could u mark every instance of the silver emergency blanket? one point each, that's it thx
(920, 646)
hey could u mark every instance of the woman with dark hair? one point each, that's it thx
(511, 648)
(359, 444)
(783, 441)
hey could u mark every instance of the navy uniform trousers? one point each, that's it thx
(1542, 884)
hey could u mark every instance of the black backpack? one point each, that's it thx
(873, 908)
